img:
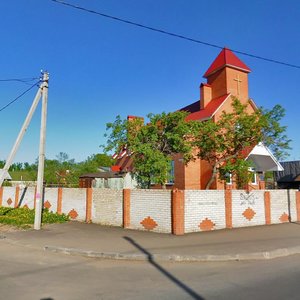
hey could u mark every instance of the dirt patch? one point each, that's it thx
(9, 228)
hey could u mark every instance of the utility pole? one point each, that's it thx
(20, 136)
(40, 179)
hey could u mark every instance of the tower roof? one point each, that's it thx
(226, 58)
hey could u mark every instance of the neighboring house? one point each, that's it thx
(227, 77)
(289, 178)
(107, 179)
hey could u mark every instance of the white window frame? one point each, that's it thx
(254, 176)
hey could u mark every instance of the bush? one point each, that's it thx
(24, 217)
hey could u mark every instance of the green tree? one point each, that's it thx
(274, 134)
(224, 143)
(2, 164)
(153, 144)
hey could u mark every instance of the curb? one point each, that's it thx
(265, 255)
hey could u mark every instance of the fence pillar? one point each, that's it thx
(89, 199)
(126, 208)
(298, 205)
(267, 197)
(59, 200)
(1, 195)
(177, 199)
(228, 208)
(17, 195)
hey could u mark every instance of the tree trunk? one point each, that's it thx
(212, 178)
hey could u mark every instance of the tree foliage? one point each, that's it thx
(274, 134)
(225, 143)
(61, 171)
(153, 144)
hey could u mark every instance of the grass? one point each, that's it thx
(23, 175)
(24, 217)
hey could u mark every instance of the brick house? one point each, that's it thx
(227, 77)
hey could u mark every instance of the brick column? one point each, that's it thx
(267, 208)
(17, 195)
(89, 199)
(262, 185)
(1, 195)
(298, 205)
(59, 200)
(228, 208)
(177, 199)
(126, 208)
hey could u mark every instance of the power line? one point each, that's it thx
(14, 100)
(24, 80)
(171, 33)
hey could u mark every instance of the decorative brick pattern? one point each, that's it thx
(27, 197)
(248, 209)
(284, 218)
(193, 210)
(279, 205)
(73, 214)
(249, 213)
(154, 203)
(47, 204)
(203, 204)
(149, 223)
(75, 198)
(51, 196)
(207, 225)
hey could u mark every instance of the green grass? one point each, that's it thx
(24, 217)
(23, 175)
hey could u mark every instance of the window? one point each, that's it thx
(228, 178)
(253, 176)
(171, 174)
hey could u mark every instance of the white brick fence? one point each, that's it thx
(165, 211)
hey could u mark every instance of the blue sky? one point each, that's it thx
(100, 68)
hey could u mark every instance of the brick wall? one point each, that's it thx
(8, 196)
(74, 203)
(283, 206)
(107, 207)
(248, 209)
(204, 210)
(167, 211)
(27, 197)
(150, 210)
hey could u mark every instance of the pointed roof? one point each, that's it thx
(226, 58)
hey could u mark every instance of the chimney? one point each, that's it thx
(205, 95)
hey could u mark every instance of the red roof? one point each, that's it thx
(226, 58)
(208, 111)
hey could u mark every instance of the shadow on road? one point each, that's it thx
(172, 278)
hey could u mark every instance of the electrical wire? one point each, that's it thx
(17, 98)
(171, 33)
(24, 80)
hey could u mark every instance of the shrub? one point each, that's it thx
(24, 217)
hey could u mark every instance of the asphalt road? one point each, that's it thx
(33, 274)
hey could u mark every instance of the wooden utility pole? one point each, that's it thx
(40, 179)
